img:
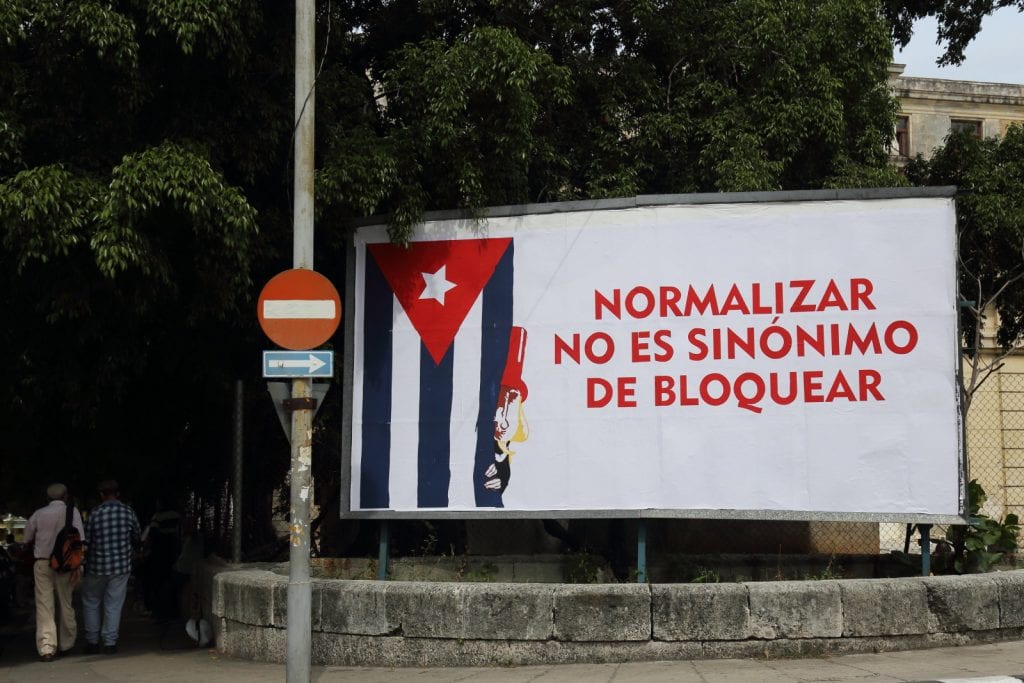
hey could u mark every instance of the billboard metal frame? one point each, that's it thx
(648, 513)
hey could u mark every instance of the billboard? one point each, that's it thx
(773, 359)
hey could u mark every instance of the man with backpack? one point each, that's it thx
(42, 530)
(111, 535)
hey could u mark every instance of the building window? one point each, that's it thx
(969, 126)
(902, 136)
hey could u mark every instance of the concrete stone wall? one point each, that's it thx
(392, 623)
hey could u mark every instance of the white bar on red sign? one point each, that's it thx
(299, 308)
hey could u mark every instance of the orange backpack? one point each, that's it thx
(68, 550)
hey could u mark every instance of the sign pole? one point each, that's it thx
(299, 631)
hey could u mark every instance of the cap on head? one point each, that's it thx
(109, 487)
(56, 491)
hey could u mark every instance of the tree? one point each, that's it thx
(958, 22)
(989, 174)
(135, 140)
(475, 103)
(145, 174)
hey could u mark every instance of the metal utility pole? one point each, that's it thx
(299, 630)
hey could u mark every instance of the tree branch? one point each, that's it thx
(668, 89)
(981, 371)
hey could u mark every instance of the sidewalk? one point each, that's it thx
(149, 655)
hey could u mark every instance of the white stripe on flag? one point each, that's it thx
(355, 488)
(465, 407)
(290, 309)
(405, 412)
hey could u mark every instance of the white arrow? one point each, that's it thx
(312, 363)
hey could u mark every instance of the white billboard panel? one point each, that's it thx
(780, 357)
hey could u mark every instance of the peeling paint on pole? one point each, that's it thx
(299, 630)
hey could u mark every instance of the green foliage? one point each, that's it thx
(95, 27)
(213, 22)
(472, 109)
(830, 572)
(165, 182)
(460, 124)
(45, 212)
(475, 104)
(706, 575)
(429, 539)
(582, 567)
(990, 218)
(482, 572)
(981, 544)
(978, 546)
(140, 174)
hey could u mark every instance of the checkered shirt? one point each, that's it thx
(110, 531)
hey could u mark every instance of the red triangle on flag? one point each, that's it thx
(438, 282)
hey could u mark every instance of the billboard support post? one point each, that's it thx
(384, 551)
(926, 549)
(641, 551)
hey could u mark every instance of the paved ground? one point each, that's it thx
(152, 654)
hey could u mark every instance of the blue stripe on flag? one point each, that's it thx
(434, 473)
(375, 459)
(496, 326)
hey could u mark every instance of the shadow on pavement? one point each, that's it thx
(140, 633)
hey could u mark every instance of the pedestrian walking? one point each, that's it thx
(41, 531)
(161, 543)
(111, 535)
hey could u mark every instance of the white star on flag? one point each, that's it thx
(436, 285)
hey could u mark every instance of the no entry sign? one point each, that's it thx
(299, 309)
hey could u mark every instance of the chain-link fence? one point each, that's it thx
(1001, 469)
(995, 450)
(211, 516)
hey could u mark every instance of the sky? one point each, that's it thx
(994, 56)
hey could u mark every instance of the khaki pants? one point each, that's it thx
(48, 583)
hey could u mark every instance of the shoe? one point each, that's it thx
(48, 657)
(92, 648)
(110, 649)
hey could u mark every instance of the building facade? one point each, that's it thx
(930, 108)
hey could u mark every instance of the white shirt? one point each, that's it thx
(44, 525)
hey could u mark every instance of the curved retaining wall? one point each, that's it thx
(476, 624)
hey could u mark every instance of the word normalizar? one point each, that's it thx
(774, 298)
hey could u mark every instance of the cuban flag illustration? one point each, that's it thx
(441, 389)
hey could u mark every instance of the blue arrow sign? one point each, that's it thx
(298, 363)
